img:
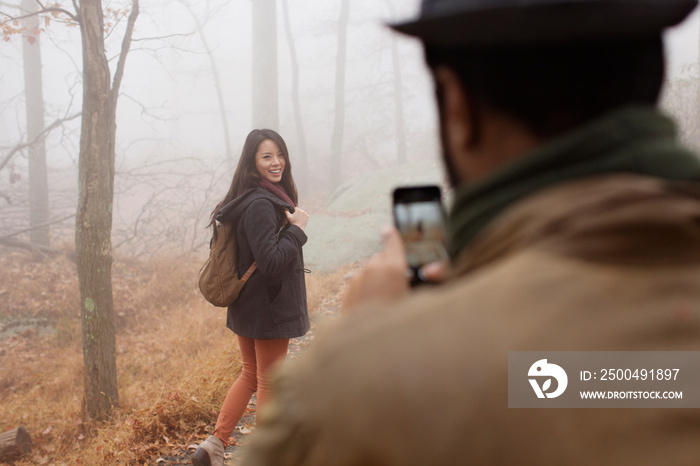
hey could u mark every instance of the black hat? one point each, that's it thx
(509, 22)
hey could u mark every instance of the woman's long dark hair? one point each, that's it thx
(246, 175)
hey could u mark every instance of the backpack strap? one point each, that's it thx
(248, 272)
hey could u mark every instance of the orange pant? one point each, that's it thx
(259, 358)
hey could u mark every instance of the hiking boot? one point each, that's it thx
(209, 453)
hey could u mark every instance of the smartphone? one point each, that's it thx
(420, 218)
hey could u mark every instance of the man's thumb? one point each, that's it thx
(393, 243)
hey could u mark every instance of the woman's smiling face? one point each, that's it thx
(269, 161)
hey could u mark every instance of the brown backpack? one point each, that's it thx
(218, 278)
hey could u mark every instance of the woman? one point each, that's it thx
(271, 308)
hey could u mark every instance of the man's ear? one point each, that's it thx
(456, 117)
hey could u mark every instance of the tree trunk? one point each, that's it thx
(34, 97)
(335, 177)
(14, 445)
(94, 218)
(265, 91)
(301, 174)
(93, 226)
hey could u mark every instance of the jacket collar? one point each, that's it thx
(232, 211)
(625, 219)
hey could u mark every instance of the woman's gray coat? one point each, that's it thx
(272, 304)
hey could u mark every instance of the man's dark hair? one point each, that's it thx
(551, 89)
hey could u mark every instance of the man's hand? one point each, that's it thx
(435, 272)
(384, 277)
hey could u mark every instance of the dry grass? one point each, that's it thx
(176, 360)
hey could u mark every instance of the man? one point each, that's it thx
(575, 227)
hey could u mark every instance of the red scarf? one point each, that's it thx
(278, 190)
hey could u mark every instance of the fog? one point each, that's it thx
(169, 105)
(171, 149)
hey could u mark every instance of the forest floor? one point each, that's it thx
(175, 359)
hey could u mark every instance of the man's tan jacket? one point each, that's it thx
(604, 263)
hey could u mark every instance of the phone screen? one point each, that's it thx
(420, 218)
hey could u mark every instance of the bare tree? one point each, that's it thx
(302, 175)
(192, 183)
(335, 177)
(217, 83)
(34, 98)
(93, 225)
(265, 90)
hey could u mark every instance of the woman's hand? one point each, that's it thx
(298, 218)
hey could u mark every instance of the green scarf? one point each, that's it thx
(636, 139)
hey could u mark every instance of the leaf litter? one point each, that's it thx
(175, 360)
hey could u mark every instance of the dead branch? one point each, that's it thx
(43, 10)
(43, 251)
(54, 9)
(41, 136)
(126, 45)
(167, 36)
(36, 227)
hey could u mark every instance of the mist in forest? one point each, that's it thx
(108, 181)
(351, 98)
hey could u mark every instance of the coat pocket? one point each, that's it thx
(285, 304)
